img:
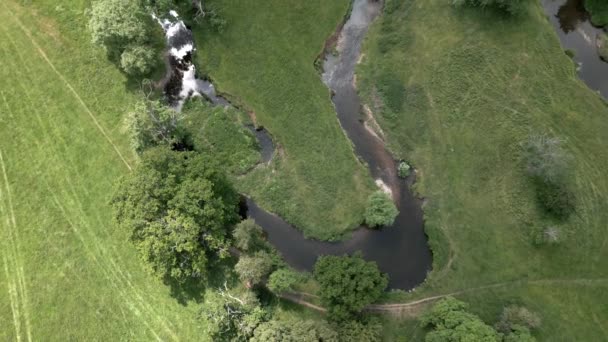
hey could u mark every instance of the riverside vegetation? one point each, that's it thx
(482, 102)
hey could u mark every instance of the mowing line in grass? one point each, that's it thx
(65, 81)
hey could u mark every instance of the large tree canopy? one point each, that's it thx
(179, 209)
(348, 284)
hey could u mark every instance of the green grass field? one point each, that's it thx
(455, 97)
(67, 274)
(264, 59)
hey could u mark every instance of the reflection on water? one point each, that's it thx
(576, 33)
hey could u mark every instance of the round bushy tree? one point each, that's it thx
(248, 236)
(179, 208)
(348, 284)
(137, 60)
(284, 279)
(380, 211)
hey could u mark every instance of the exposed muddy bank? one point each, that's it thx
(576, 33)
(400, 250)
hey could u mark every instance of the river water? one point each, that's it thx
(576, 33)
(401, 250)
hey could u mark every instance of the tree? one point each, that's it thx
(179, 208)
(123, 28)
(231, 317)
(381, 210)
(517, 316)
(137, 60)
(449, 321)
(284, 279)
(348, 284)
(248, 236)
(253, 269)
(294, 330)
(151, 123)
(519, 334)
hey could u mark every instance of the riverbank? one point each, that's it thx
(266, 60)
(455, 97)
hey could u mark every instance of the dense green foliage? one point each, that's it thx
(248, 236)
(151, 124)
(479, 83)
(315, 181)
(360, 331)
(510, 6)
(253, 269)
(450, 321)
(179, 209)
(125, 30)
(284, 279)
(294, 330)
(231, 316)
(548, 165)
(404, 169)
(598, 10)
(380, 211)
(348, 284)
(516, 319)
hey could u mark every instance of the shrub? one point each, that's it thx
(545, 158)
(151, 124)
(550, 235)
(381, 211)
(404, 169)
(253, 269)
(248, 236)
(450, 321)
(137, 60)
(602, 46)
(556, 199)
(598, 10)
(284, 279)
(517, 316)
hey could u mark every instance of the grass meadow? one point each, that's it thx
(67, 274)
(265, 60)
(455, 97)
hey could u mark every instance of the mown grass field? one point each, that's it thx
(456, 96)
(67, 274)
(264, 59)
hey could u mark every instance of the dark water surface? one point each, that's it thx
(576, 33)
(400, 250)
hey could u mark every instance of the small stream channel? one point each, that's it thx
(576, 33)
(401, 250)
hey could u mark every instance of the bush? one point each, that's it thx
(253, 269)
(348, 284)
(248, 236)
(509, 6)
(284, 279)
(602, 46)
(137, 60)
(598, 10)
(547, 236)
(151, 124)
(381, 211)
(517, 316)
(556, 199)
(404, 169)
(450, 321)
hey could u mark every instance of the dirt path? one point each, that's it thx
(414, 308)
